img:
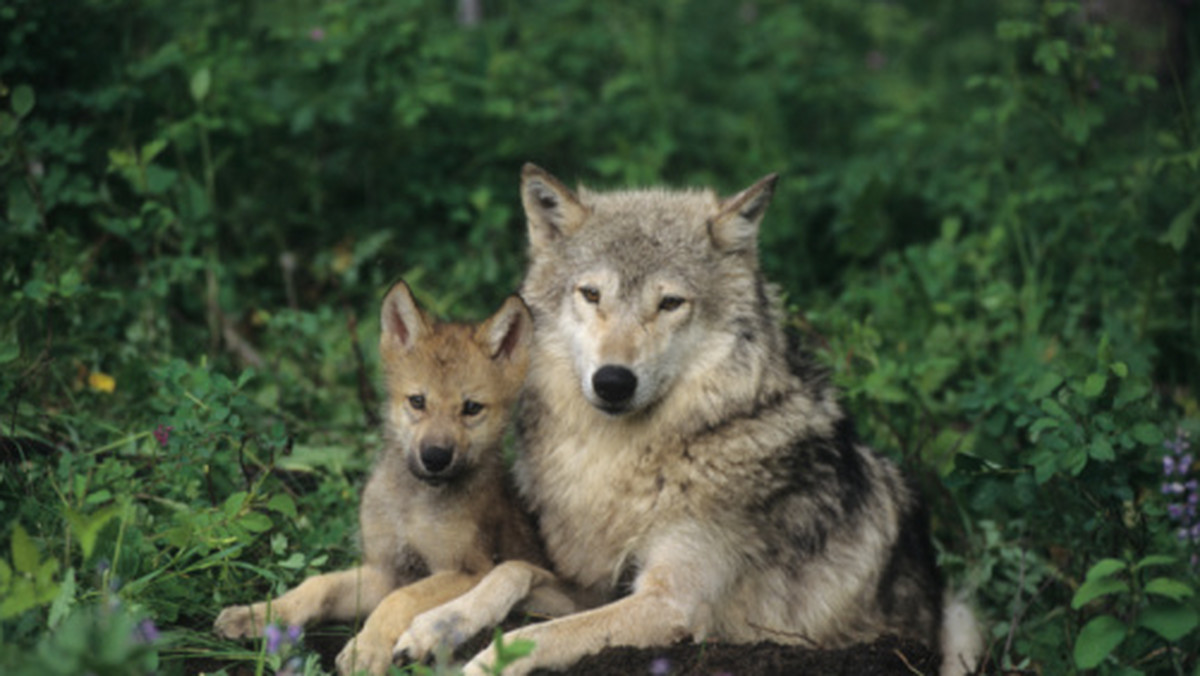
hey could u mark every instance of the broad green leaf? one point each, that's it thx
(1104, 568)
(1094, 385)
(1155, 560)
(10, 349)
(87, 528)
(1120, 369)
(1177, 233)
(256, 522)
(282, 503)
(23, 100)
(1101, 449)
(1097, 640)
(1171, 622)
(1173, 589)
(1045, 385)
(1041, 425)
(24, 552)
(200, 84)
(1094, 589)
(1147, 433)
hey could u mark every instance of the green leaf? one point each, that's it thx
(1094, 385)
(1155, 560)
(256, 522)
(1170, 588)
(1045, 385)
(10, 348)
(200, 84)
(87, 528)
(1101, 449)
(63, 601)
(1172, 622)
(1120, 369)
(22, 100)
(24, 552)
(1104, 568)
(1177, 232)
(1094, 589)
(1041, 425)
(1147, 433)
(1097, 640)
(282, 503)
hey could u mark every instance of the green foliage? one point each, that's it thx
(986, 227)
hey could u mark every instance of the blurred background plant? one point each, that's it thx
(986, 228)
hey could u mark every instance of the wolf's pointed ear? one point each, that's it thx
(735, 227)
(552, 209)
(507, 335)
(402, 321)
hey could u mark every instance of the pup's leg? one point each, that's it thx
(371, 649)
(661, 611)
(343, 595)
(484, 606)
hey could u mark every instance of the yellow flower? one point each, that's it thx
(101, 382)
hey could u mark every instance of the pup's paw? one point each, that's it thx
(427, 632)
(241, 621)
(365, 653)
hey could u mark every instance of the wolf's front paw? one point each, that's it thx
(365, 653)
(240, 622)
(426, 634)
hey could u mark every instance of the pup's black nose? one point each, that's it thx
(614, 384)
(436, 458)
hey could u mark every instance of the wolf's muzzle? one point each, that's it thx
(615, 385)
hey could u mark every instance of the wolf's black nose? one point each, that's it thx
(614, 384)
(436, 458)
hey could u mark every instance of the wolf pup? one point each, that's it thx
(437, 512)
(670, 437)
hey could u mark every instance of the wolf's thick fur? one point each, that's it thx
(671, 439)
(437, 512)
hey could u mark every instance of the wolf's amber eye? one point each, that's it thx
(417, 401)
(590, 294)
(471, 408)
(670, 303)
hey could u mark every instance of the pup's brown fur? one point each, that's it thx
(438, 511)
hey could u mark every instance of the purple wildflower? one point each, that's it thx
(146, 632)
(317, 34)
(1182, 489)
(274, 636)
(279, 638)
(162, 434)
(660, 667)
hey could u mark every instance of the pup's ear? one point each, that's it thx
(507, 335)
(402, 321)
(735, 227)
(552, 209)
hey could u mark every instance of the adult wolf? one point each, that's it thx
(671, 439)
(437, 513)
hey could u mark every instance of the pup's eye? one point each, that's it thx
(471, 408)
(670, 303)
(417, 401)
(590, 294)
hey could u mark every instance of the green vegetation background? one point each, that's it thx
(985, 226)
